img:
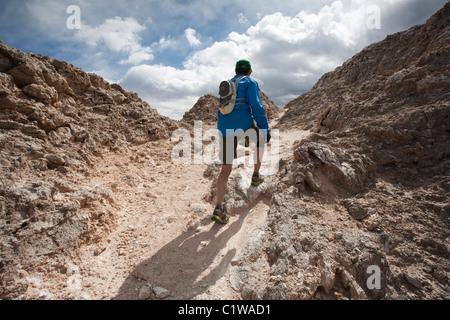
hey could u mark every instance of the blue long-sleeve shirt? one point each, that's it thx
(245, 111)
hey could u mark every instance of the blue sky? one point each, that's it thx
(173, 52)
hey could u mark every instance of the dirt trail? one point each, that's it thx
(164, 235)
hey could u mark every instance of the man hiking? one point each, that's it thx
(246, 120)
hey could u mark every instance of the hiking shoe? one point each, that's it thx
(257, 179)
(219, 215)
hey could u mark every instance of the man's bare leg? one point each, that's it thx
(258, 158)
(222, 182)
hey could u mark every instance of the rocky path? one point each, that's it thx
(164, 244)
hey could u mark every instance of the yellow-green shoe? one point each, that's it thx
(219, 215)
(257, 179)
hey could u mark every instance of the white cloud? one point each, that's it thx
(172, 91)
(242, 19)
(163, 43)
(118, 35)
(190, 36)
(138, 55)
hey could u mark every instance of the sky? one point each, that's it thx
(172, 52)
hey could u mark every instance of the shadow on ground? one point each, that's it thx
(184, 265)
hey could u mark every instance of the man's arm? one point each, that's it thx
(254, 100)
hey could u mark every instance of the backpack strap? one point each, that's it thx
(237, 84)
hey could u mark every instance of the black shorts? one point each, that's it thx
(228, 144)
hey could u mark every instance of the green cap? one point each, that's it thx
(243, 64)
